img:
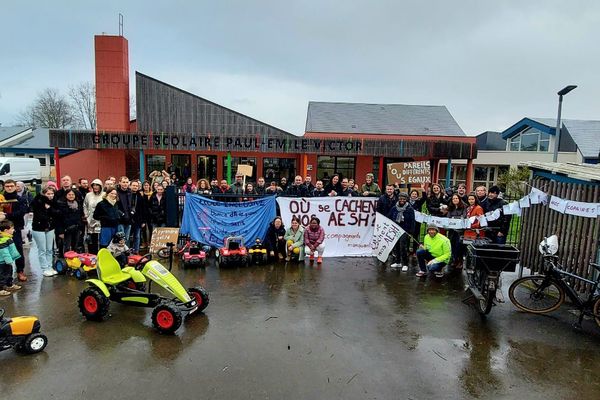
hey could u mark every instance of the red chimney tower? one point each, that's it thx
(112, 83)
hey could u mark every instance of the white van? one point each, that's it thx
(20, 169)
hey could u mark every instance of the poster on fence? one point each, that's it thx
(385, 236)
(407, 173)
(210, 222)
(162, 236)
(348, 221)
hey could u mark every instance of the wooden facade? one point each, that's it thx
(578, 236)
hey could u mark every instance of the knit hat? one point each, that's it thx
(403, 195)
(432, 226)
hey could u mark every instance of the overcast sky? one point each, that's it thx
(489, 63)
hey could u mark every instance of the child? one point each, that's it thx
(8, 255)
(118, 248)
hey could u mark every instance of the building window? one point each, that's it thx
(19, 154)
(52, 160)
(530, 139)
(329, 165)
(276, 168)
(207, 167)
(376, 169)
(235, 161)
(155, 162)
(487, 175)
(42, 161)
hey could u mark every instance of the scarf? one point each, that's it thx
(112, 202)
(73, 205)
(400, 216)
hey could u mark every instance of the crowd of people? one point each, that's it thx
(86, 216)
(441, 248)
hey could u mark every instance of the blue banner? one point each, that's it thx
(210, 222)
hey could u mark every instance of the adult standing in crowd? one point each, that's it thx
(347, 189)
(15, 212)
(309, 185)
(296, 189)
(90, 202)
(387, 201)
(456, 210)
(334, 187)
(204, 188)
(319, 190)
(249, 192)
(404, 216)
(26, 194)
(273, 189)
(45, 215)
(68, 226)
(222, 190)
(108, 213)
(416, 201)
(260, 186)
(275, 238)
(482, 197)
(158, 209)
(84, 188)
(436, 201)
(283, 184)
(462, 192)
(370, 188)
(238, 186)
(124, 195)
(500, 226)
(189, 186)
(294, 240)
(314, 238)
(138, 215)
(473, 210)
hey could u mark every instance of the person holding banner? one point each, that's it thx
(347, 190)
(296, 189)
(314, 236)
(434, 253)
(334, 187)
(436, 201)
(318, 191)
(275, 239)
(294, 240)
(456, 210)
(403, 215)
(416, 201)
(502, 224)
(473, 210)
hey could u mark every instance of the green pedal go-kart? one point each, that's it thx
(128, 286)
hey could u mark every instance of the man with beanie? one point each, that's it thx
(434, 253)
(402, 214)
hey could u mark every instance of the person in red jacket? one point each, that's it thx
(314, 237)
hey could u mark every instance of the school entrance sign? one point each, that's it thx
(348, 221)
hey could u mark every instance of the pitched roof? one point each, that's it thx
(38, 138)
(6, 132)
(585, 133)
(385, 119)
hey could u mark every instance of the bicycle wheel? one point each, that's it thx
(536, 294)
(484, 305)
(596, 310)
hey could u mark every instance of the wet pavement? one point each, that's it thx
(346, 330)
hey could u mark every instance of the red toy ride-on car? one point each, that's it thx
(233, 252)
(193, 255)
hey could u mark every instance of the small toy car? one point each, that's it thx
(76, 264)
(258, 253)
(22, 333)
(193, 256)
(233, 252)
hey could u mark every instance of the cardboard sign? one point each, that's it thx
(162, 236)
(406, 173)
(245, 170)
(385, 236)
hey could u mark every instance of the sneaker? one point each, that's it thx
(395, 265)
(311, 258)
(499, 296)
(5, 293)
(54, 272)
(287, 258)
(319, 260)
(49, 272)
(13, 287)
(21, 276)
(404, 268)
(420, 274)
(439, 274)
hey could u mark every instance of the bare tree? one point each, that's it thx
(49, 110)
(83, 97)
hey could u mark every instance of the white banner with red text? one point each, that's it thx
(348, 221)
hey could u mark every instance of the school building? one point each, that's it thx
(202, 139)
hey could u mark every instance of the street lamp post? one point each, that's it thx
(560, 93)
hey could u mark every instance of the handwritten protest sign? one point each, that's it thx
(245, 170)
(162, 236)
(406, 173)
(385, 236)
(348, 221)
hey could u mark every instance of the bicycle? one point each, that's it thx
(546, 292)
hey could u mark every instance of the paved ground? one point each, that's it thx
(346, 330)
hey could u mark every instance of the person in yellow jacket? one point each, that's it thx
(434, 253)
